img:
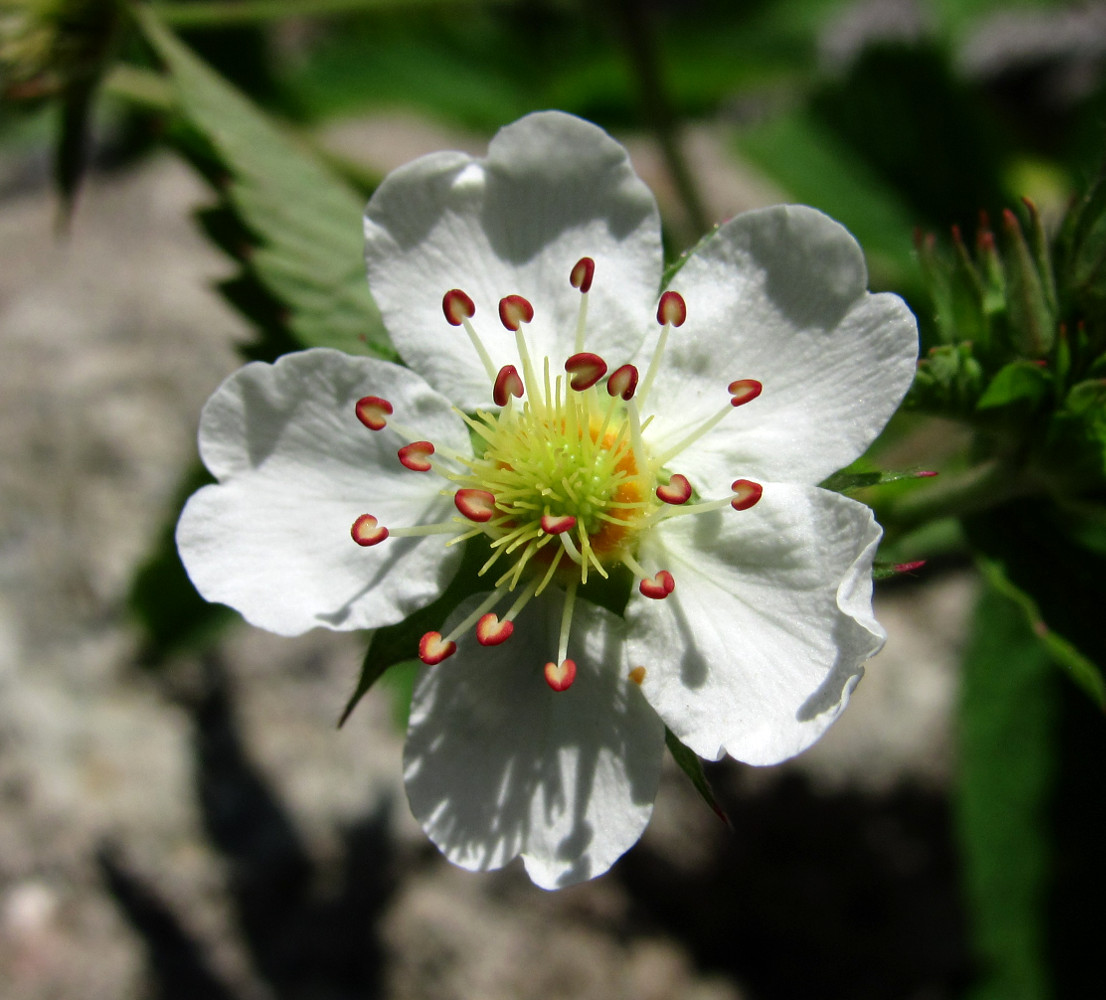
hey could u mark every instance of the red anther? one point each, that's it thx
(514, 310)
(586, 369)
(553, 524)
(507, 384)
(416, 456)
(748, 494)
(433, 648)
(908, 567)
(560, 678)
(623, 382)
(372, 411)
(582, 273)
(659, 586)
(637, 675)
(366, 531)
(672, 309)
(677, 491)
(476, 505)
(744, 390)
(457, 307)
(490, 631)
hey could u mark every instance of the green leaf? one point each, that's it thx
(304, 221)
(1007, 741)
(395, 643)
(692, 766)
(1017, 382)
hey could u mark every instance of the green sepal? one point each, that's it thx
(948, 380)
(851, 482)
(1032, 321)
(692, 766)
(397, 643)
(1018, 382)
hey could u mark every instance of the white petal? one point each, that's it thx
(779, 295)
(552, 189)
(296, 468)
(757, 649)
(499, 765)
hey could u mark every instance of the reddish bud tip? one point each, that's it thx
(672, 309)
(908, 567)
(747, 492)
(490, 631)
(623, 382)
(560, 677)
(677, 491)
(586, 369)
(514, 310)
(744, 390)
(457, 307)
(416, 456)
(373, 412)
(433, 648)
(476, 505)
(366, 531)
(659, 586)
(507, 383)
(926, 474)
(582, 274)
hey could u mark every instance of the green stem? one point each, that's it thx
(641, 47)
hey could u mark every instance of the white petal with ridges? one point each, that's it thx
(499, 765)
(757, 649)
(552, 189)
(295, 469)
(780, 295)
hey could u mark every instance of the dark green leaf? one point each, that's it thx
(1017, 382)
(396, 643)
(692, 766)
(305, 222)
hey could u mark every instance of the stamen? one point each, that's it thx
(671, 311)
(658, 587)
(585, 369)
(677, 491)
(372, 411)
(748, 494)
(416, 456)
(560, 677)
(490, 631)
(514, 310)
(581, 277)
(366, 531)
(476, 505)
(623, 382)
(552, 524)
(507, 384)
(457, 307)
(744, 390)
(433, 648)
(583, 271)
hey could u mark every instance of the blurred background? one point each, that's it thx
(180, 816)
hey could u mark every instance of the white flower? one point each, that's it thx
(585, 432)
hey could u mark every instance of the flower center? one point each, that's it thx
(560, 480)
